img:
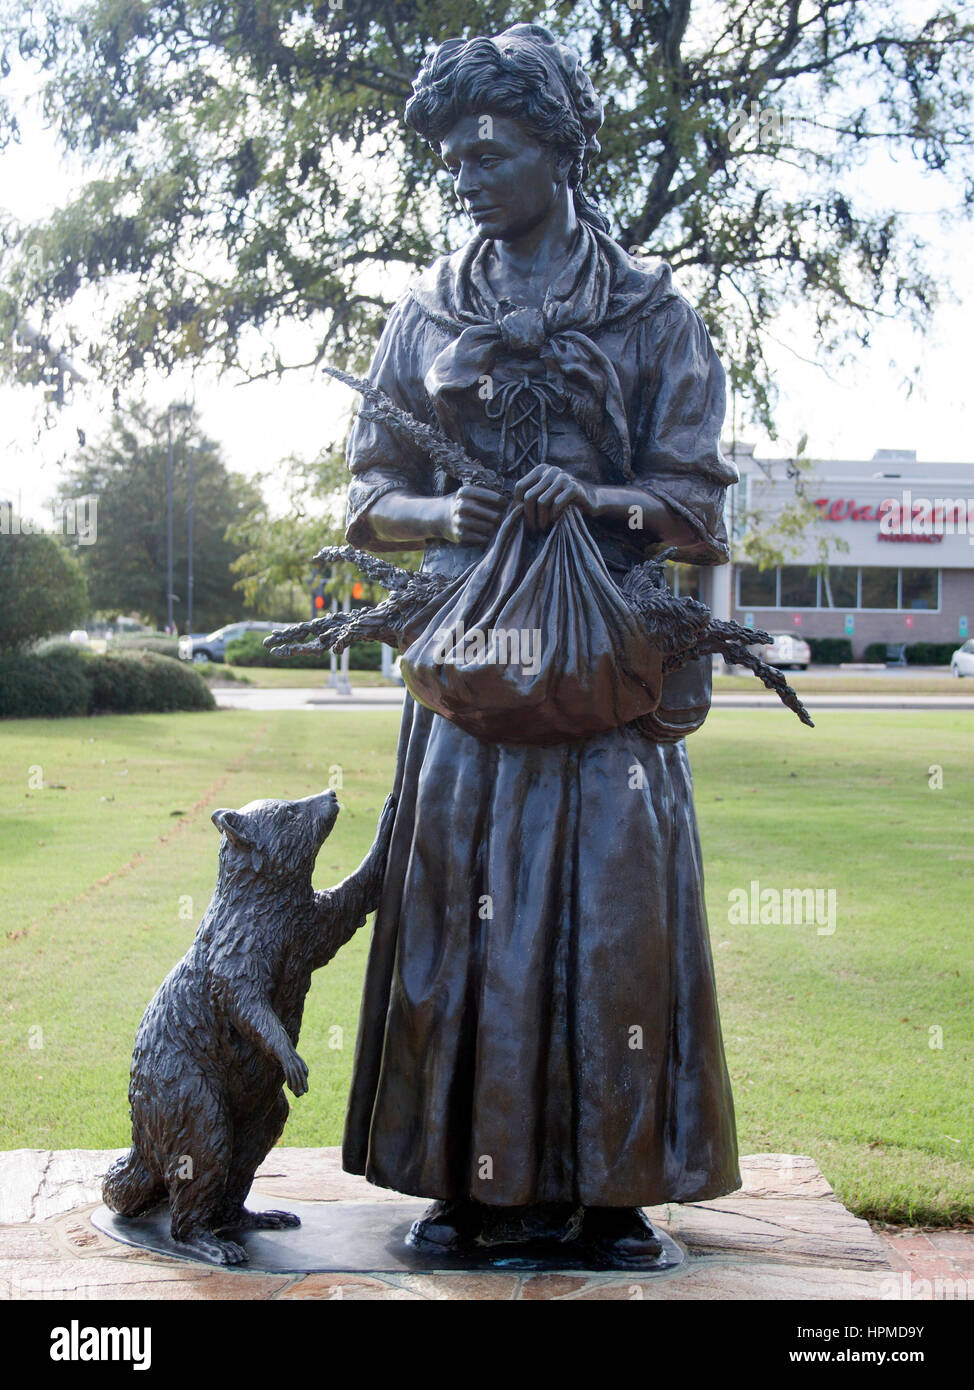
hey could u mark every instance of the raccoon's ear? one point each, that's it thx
(234, 826)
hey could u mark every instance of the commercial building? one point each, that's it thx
(898, 535)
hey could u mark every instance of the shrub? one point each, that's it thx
(223, 673)
(367, 656)
(42, 588)
(249, 650)
(175, 686)
(152, 642)
(119, 684)
(830, 651)
(51, 684)
(930, 653)
(917, 653)
(65, 681)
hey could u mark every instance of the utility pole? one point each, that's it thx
(333, 659)
(186, 408)
(194, 454)
(343, 684)
(189, 541)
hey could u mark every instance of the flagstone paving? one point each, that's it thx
(783, 1235)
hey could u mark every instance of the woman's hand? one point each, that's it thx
(547, 491)
(468, 517)
(473, 513)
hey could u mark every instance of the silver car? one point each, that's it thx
(962, 661)
(785, 651)
(212, 646)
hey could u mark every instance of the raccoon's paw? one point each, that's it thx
(268, 1220)
(214, 1249)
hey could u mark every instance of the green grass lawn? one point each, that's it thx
(108, 867)
(275, 677)
(297, 677)
(813, 682)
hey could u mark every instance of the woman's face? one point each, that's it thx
(507, 181)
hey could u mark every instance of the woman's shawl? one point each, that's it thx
(623, 351)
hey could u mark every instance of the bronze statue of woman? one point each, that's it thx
(539, 1048)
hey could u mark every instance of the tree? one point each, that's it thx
(126, 474)
(231, 190)
(42, 586)
(782, 527)
(276, 550)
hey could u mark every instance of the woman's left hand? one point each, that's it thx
(546, 491)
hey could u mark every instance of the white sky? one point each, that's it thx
(847, 415)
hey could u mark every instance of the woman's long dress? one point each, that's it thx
(539, 1020)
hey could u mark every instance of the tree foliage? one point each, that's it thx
(276, 546)
(126, 567)
(253, 171)
(42, 587)
(786, 523)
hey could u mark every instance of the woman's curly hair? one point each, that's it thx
(525, 74)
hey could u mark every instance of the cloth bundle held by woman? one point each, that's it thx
(534, 644)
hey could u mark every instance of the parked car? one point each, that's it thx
(212, 646)
(79, 637)
(962, 661)
(785, 650)
(189, 642)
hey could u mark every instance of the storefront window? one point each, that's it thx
(920, 589)
(757, 588)
(843, 586)
(879, 588)
(799, 587)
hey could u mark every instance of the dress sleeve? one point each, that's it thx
(379, 459)
(676, 450)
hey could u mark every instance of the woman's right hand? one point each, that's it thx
(468, 517)
(472, 514)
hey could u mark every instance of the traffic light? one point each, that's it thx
(358, 589)
(318, 600)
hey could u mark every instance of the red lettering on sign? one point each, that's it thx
(933, 539)
(846, 509)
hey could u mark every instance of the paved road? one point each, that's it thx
(319, 698)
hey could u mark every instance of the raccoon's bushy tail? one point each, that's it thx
(130, 1187)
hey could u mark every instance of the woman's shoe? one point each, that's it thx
(546, 1223)
(620, 1237)
(448, 1227)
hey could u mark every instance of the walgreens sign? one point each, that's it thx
(906, 518)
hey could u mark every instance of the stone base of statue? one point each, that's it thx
(359, 1237)
(782, 1236)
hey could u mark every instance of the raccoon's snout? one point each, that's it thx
(328, 807)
